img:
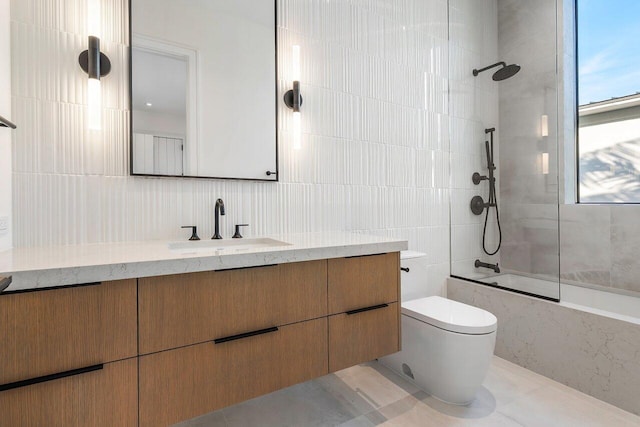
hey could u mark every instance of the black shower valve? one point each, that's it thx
(477, 178)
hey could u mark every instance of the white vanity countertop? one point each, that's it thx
(45, 267)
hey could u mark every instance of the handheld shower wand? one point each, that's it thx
(478, 205)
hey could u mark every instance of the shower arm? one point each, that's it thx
(497, 64)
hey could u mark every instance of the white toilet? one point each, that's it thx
(447, 346)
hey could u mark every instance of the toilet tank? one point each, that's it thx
(414, 283)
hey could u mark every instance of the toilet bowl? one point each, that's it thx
(447, 346)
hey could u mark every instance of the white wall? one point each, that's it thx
(156, 123)
(5, 134)
(375, 156)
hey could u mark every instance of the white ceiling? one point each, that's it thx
(161, 80)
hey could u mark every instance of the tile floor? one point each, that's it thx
(372, 395)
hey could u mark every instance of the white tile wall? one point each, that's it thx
(474, 107)
(375, 123)
(6, 235)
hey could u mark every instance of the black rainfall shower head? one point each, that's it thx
(506, 72)
(503, 73)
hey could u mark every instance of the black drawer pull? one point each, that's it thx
(46, 378)
(247, 268)
(50, 288)
(363, 256)
(245, 335)
(362, 310)
(405, 269)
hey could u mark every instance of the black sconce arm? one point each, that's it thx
(4, 123)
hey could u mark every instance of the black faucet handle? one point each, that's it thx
(237, 235)
(194, 232)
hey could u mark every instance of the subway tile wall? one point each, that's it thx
(375, 123)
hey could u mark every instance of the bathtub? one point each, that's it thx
(590, 340)
(597, 301)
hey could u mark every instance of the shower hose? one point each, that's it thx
(493, 198)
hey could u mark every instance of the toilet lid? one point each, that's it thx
(451, 315)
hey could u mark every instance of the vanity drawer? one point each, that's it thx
(49, 331)
(180, 384)
(105, 397)
(363, 281)
(364, 335)
(187, 309)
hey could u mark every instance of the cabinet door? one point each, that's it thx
(186, 309)
(105, 397)
(50, 331)
(180, 384)
(363, 335)
(363, 281)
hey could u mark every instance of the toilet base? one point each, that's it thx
(449, 366)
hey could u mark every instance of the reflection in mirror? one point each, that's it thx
(203, 88)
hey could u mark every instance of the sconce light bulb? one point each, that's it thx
(94, 22)
(544, 125)
(94, 99)
(545, 163)
(297, 131)
(296, 63)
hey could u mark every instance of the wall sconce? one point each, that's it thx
(96, 64)
(4, 123)
(293, 99)
(544, 160)
(544, 125)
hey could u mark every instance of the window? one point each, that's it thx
(608, 33)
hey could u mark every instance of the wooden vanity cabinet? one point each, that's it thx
(360, 336)
(180, 384)
(161, 350)
(364, 295)
(68, 356)
(212, 339)
(187, 309)
(104, 397)
(363, 281)
(45, 332)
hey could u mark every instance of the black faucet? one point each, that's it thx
(219, 211)
(493, 267)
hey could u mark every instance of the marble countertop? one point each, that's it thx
(44, 267)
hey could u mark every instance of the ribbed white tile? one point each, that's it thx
(375, 132)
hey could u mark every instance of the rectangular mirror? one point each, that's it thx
(203, 89)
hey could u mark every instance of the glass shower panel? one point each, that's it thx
(504, 144)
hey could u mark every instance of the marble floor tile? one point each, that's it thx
(371, 395)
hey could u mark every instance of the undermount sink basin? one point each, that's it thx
(230, 245)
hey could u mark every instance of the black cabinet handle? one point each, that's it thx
(51, 288)
(245, 335)
(269, 173)
(405, 269)
(246, 268)
(46, 378)
(363, 256)
(362, 310)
